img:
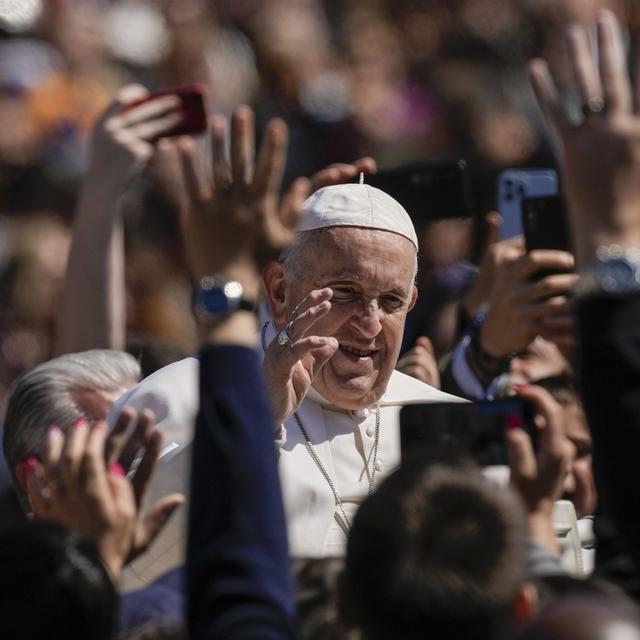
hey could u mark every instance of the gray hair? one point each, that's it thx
(44, 396)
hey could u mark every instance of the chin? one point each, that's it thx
(350, 398)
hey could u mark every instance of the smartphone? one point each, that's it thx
(545, 224)
(514, 185)
(429, 190)
(193, 109)
(476, 430)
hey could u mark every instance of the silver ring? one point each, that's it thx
(593, 107)
(284, 339)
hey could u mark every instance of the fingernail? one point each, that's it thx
(521, 386)
(513, 422)
(31, 463)
(116, 469)
(54, 431)
(99, 425)
(80, 422)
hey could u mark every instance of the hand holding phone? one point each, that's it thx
(477, 430)
(190, 108)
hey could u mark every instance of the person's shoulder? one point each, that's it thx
(403, 389)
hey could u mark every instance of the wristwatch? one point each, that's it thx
(616, 271)
(216, 297)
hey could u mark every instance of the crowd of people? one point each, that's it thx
(211, 343)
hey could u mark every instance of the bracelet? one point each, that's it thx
(485, 365)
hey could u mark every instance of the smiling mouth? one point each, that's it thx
(357, 352)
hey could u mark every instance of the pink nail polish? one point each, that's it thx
(116, 469)
(519, 387)
(80, 422)
(513, 422)
(31, 463)
(53, 431)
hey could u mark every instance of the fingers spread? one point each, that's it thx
(547, 96)
(613, 71)
(219, 153)
(118, 435)
(273, 155)
(583, 64)
(144, 472)
(242, 146)
(137, 439)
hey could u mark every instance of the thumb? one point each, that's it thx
(492, 224)
(522, 460)
(156, 518)
(320, 356)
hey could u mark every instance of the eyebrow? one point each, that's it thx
(399, 291)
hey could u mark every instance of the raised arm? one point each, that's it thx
(92, 307)
(238, 568)
(600, 162)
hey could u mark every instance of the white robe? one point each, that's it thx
(343, 441)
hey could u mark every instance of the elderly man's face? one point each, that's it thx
(371, 273)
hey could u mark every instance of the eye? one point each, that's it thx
(392, 303)
(344, 294)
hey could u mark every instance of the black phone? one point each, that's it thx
(545, 224)
(429, 190)
(452, 429)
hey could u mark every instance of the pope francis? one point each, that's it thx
(334, 313)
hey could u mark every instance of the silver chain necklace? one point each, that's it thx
(339, 514)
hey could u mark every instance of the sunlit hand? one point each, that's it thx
(237, 219)
(521, 309)
(289, 370)
(600, 155)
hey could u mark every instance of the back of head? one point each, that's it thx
(50, 394)
(438, 551)
(53, 585)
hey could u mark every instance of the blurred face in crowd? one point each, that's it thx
(371, 274)
(579, 485)
(541, 359)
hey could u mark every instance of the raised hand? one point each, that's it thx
(539, 476)
(80, 485)
(291, 368)
(521, 309)
(600, 154)
(237, 219)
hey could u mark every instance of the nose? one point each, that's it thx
(366, 318)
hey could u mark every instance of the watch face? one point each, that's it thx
(214, 301)
(617, 275)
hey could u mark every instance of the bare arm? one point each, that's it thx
(92, 307)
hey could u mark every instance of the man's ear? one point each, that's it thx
(274, 278)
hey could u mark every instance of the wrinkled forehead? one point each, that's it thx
(356, 252)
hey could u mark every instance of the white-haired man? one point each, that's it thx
(337, 303)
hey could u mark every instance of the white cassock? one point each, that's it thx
(343, 441)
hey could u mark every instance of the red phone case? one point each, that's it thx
(193, 109)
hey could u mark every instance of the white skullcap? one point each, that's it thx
(356, 205)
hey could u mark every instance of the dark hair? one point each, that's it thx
(437, 551)
(53, 585)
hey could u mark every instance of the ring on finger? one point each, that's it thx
(594, 106)
(284, 339)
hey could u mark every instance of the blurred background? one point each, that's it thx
(400, 80)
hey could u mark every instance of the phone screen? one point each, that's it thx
(474, 429)
(544, 223)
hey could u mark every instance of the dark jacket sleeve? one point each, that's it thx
(238, 570)
(609, 376)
